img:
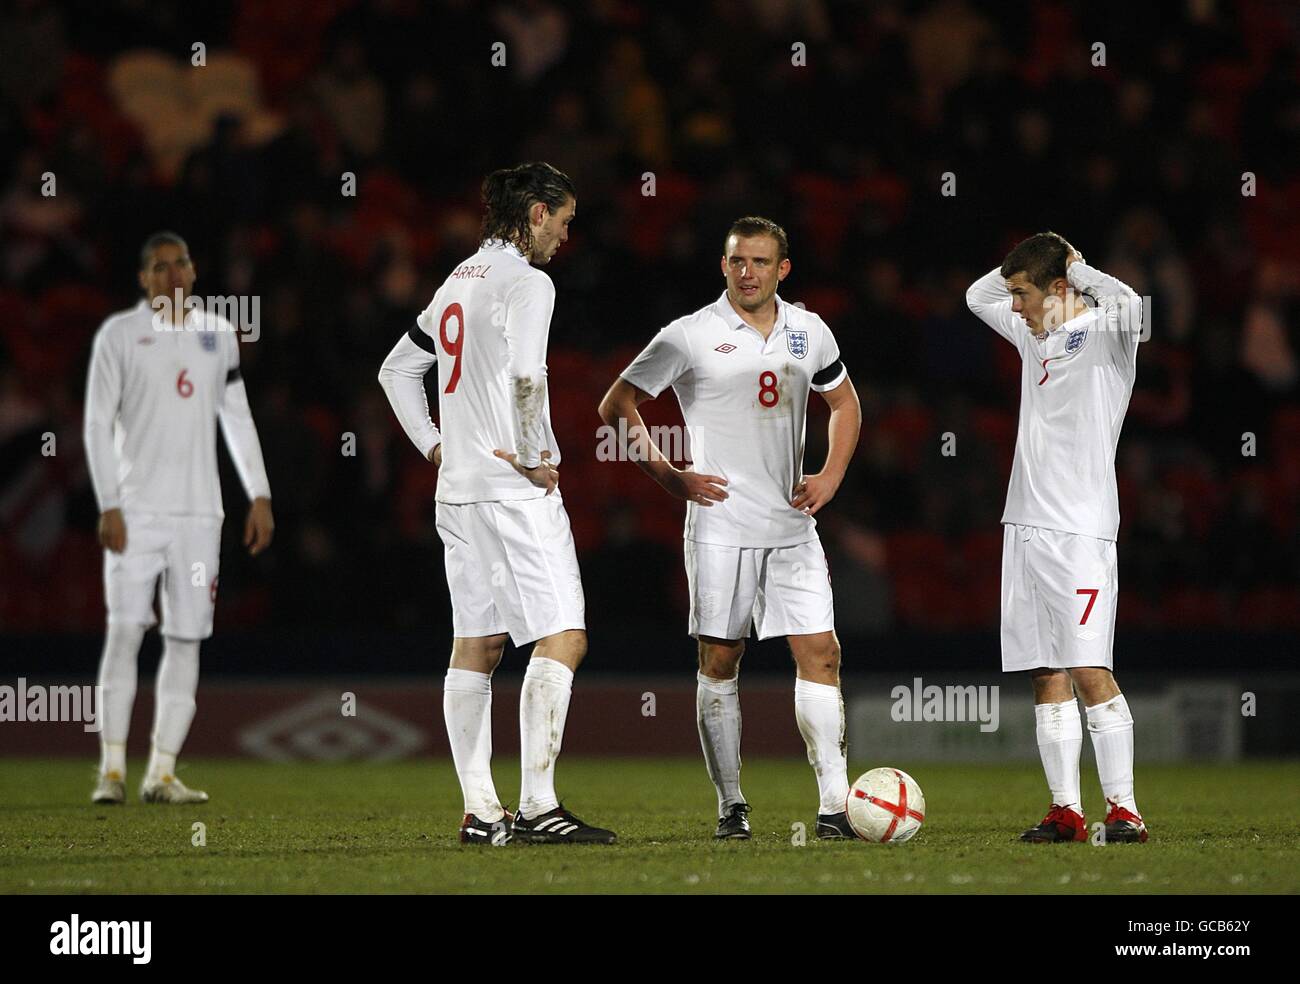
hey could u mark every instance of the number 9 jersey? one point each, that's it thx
(487, 329)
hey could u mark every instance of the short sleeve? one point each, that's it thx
(831, 372)
(661, 363)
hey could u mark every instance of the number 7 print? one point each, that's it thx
(1091, 601)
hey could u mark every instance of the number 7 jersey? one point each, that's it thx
(487, 329)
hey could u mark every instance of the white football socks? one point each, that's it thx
(1060, 740)
(717, 709)
(117, 681)
(467, 708)
(543, 707)
(174, 690)
(1111, 726)
(819, 709)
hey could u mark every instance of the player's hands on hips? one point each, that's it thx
(259, 526)
(814, 492)
(544, 476)
(112, 530)
(436, 456)
(703, 490)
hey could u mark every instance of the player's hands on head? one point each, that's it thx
(112, 530)
(259, 526)
(544, 476)
(814, 492)
(703, 490)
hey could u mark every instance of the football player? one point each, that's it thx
(1077, 332)
(162, 375)
(511, 566)
(742, 368)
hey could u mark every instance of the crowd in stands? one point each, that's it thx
(1170, 156)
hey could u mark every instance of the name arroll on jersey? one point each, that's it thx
(154, 396)
(744, 400)
(486, 329)
(1075, 385)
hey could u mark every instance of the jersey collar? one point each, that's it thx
(723, 309)
(1076, 322)
(503, 245)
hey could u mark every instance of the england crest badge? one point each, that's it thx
(208, 339)
(1074, 341)
(798, 343)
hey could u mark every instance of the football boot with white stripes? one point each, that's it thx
(558, 826)
(491, 833)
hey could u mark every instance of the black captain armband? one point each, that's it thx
(422, 340)
(233, 376)
(828, 374)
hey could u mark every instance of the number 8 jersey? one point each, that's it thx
(744, 400)
(486, 329)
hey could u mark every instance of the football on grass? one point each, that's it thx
(886, 806)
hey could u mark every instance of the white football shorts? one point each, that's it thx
(1058, 599)
(184, 551)
(781, 591)
(511, 567)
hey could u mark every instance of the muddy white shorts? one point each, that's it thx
(1058, 599)
(511, 567)
(780, 591)
(182, 551)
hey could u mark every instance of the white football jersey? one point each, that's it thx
(744, 400)
(487, 325)
(1075, 385)
(153, 400)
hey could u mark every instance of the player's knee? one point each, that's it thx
(568, 647)
(1052, 687)
(721, 661)
(576, 647)
(821, 657)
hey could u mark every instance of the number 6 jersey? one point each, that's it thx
(744, 400)
(486, 329)
(154, 396)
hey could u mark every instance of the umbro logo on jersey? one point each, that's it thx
(725, 347)
(798, 343)
(145, 340)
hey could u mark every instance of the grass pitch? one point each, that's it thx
(391, 828)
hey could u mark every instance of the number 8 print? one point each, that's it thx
(768, 394)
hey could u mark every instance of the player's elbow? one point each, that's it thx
(607, 410)
(615, 405)
(972, 300)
